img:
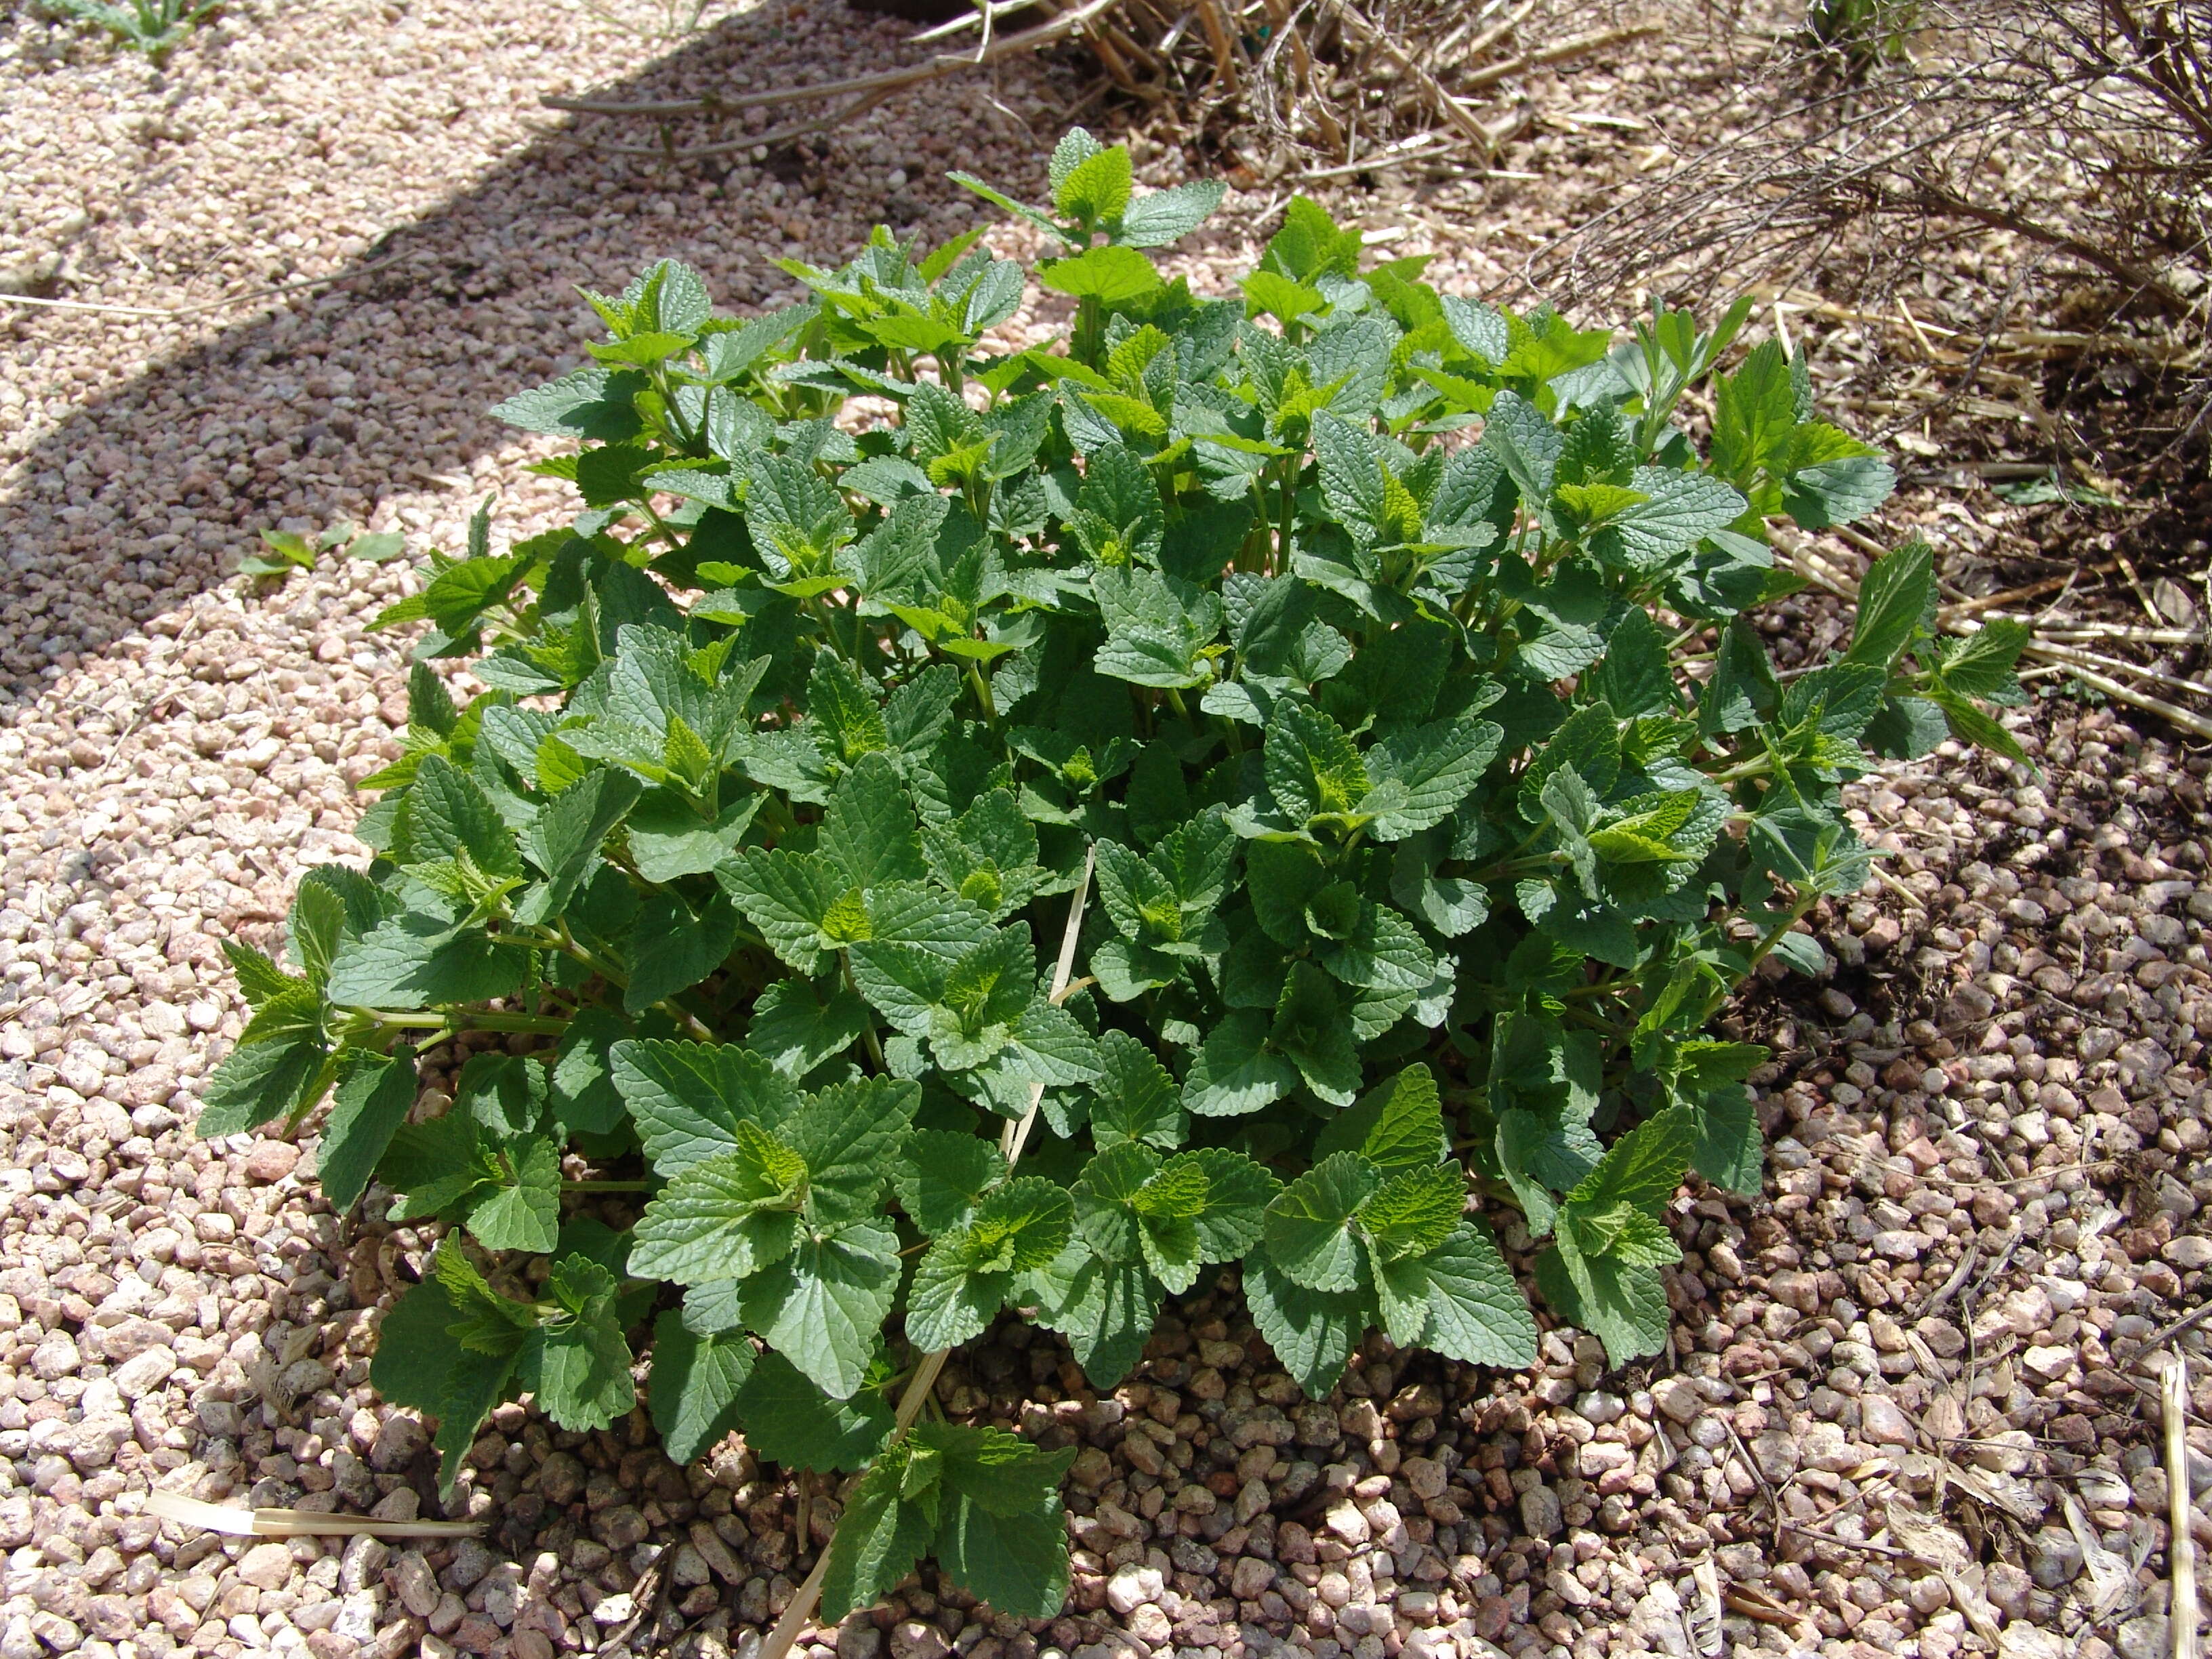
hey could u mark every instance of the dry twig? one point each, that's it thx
(2181, 1548)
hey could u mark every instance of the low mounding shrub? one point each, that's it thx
(1028, 829)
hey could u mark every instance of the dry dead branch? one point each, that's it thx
(1309, 88)
(2070, 142)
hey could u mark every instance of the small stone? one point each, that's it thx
(1251, 1577)
(1541, 1512)
(858, 1638)
(2145, 1638)
(1129, 1588)
(1777, 1455)
(2054, 1557)
(56, 1356)
(1348, 1523)
(470, 1562)
(1262, 1425)
(2008, 1588)
(416, 1584)
(560, 1477)
(689, 1567)
(1601, 1409)
(1883, 1422)
(621, 1527)
(271, 1161)
(138, 1377)
(266, 1566)
(1678, 1398)
(1424, 1475)
(2188, 1252)
(913, 1639)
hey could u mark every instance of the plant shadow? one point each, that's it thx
(364, 398)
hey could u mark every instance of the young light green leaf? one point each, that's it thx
(728, 1216)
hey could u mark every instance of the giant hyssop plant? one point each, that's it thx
(1014, 829)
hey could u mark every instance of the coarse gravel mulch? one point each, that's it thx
(1902, 1412)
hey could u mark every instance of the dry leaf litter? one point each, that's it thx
(1903, 1412)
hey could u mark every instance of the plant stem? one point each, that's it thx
(606, 1186)
(1767, 941)
(982, 690)
(917, 1393)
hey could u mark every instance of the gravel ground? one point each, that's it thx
(1901, 1414)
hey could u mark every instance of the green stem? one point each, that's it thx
(606, 1186)
(535, 1024)
(982, 689)
(1757, 767)
(1767, 941)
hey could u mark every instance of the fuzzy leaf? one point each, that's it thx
(695, 1385)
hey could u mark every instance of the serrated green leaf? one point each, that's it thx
(879, 1539)
(849, 1136)
(419, 1364)
(1312, 766)
(1398, 1125)
(1018, 1563)
(562, 840)
(823, 1306)
(730, 1215)
(695, 1385)
(1896, 592)
(788, 1420)
(1105, 1309)
(1307, 1231)
(688, 1099)
(374, 1094)
(521, 1211)
(1313, 1333)
(1236, 1072)
(583, 1375)
(1623, 1305)
(417, 960)
(1476, 1312)
(1134, 1099)
(583, 1093)
(1413, 1213)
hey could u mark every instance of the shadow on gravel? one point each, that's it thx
(376, 386)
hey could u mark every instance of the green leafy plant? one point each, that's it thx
(1253, 783)
(1863, 33)
(151, 26)
(287, 550)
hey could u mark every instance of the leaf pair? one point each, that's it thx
(455, 1347)
(984, 1501)
(1374, 1233)
(771, 1199)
